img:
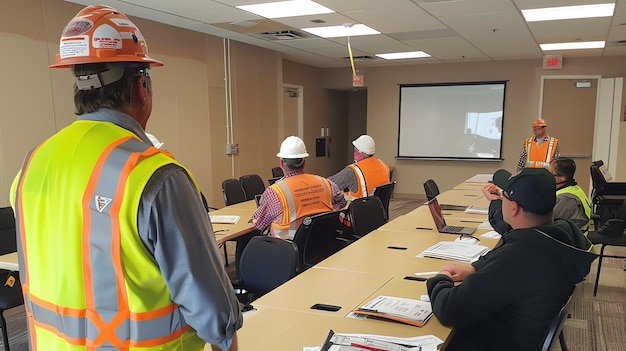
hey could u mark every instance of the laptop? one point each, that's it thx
(257, 199)
(440, 222)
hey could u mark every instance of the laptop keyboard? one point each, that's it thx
(454, 228)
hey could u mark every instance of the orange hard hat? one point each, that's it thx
(540, 122)
(101, 34)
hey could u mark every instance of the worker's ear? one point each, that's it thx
(141, 89)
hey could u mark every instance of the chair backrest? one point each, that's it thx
(318, 237)
(252, 184)
(277, 172)
(266, 263)
(556, 324)
(431, 189)
(8, 242)
(233, 192)
(384, 193)
(366, 215)
(597, 180)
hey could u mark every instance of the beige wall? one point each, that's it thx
(190, 109)
(521, 108)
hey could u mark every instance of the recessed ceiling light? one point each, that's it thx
(286, 9)
(568, 12)
(573, 46)
(403, 55)
(341, 31)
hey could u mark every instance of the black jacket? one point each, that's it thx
(517, 289)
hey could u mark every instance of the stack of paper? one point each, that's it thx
(409, 311)
(477, 210)
(224, 219)
(455, 251)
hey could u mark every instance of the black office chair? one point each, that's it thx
(266, 263)
(555, 328)
(277, 172)
(610, 234)
(431, 189)
(384, 193)
(233, 192)
(10, 296)
(252, 185)
(366, 214)
(606, 197)
(318, 237)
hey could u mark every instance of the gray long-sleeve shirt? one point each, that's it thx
(175, 228)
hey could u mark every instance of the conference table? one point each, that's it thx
(374, 265)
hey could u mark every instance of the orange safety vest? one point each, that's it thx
(300, 196)
(540, 156)
(88, 280)
(370, 173)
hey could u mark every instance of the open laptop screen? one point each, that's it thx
(435, 211)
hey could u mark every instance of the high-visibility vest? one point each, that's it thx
(300, 196)
(370, 173)
(579, 193)
(540, 156)
(89, 282)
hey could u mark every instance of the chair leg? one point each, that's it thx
(595, 288)
(225, 253)
(562, 342)
(5, 334)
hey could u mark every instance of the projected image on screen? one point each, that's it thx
(451, 121)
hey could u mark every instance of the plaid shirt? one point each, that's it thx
(270, 207)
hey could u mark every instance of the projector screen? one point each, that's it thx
(451, 121)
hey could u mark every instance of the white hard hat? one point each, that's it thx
(365, 144)
(292, 147)
(158, 144)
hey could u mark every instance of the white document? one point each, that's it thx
(477, 210)
(410, 311)
(455, 251)
(492, 234)
(480, 178)
(226, 219)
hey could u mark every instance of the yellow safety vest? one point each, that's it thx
(89, 282)
(300, 196)
(579, 193)
(540, 156)
(370, 173)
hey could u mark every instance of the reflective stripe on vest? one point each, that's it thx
(286, 226)
(370, 173)
(531, 157)
(107, 319)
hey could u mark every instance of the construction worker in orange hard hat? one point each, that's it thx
(136, 264)
(539, 149)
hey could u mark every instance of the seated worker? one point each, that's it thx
(366, 173)
(508, 297)
(285, 203)
(571, 200)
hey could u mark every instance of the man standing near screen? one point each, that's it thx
(539, 149)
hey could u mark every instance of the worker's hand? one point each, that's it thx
(492, 192)
(457, 272)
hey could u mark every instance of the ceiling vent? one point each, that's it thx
(283, 35)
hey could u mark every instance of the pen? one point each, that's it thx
(470, 221)
(220, 230)
(469, 195)
(423, 228)
(425, 273)
(365, 347)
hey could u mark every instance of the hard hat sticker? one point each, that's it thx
(74, 47)
(78, 27)
(106, 37)
(122, 22)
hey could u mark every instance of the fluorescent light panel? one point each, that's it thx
(341, 31)
(403, 55)
(568, 12)
(573, 46)
(282, 9)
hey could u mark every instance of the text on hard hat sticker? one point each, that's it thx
(74, 47)
(106, 37)
(77, 28)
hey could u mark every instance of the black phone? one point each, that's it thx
(325, 307)
(419, 279)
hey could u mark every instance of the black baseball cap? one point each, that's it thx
(534, 189)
